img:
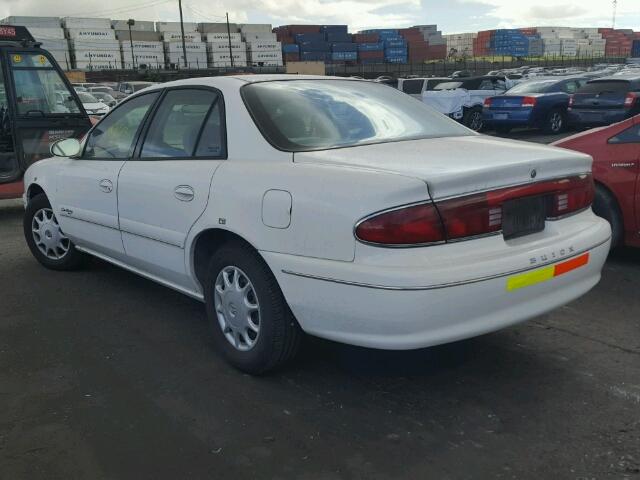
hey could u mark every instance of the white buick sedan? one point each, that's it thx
(337, 207)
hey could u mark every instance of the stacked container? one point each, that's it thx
(618, 42)
(510, 42)
(145, 54)
(635, 48)
(93, 43)
(46, 30)
(263, 47)
(223, 47)
(482, 43)
(343, 50)
(173, 45)
(461, 44)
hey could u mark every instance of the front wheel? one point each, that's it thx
(472, 119)
(250, 320)
(45, 238)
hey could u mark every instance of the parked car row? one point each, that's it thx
(99, 98)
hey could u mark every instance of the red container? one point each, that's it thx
(436, 52)
(371, 55)
(291, 57)
(366, 38)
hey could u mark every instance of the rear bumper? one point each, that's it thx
(405, 314)
(595, 118)
(512, 117)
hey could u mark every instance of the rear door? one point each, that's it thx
(623, 158)
(165, 189)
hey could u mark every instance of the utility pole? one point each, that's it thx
(229, 38)
(184, 46)
(130, 23)
(615, 7)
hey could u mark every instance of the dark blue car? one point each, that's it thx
(605, 101)
(539, 103)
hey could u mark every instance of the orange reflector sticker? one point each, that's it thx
(547, 273)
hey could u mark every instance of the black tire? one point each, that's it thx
(279, 337)
(503, 130)
(472, 119)
(606, 206)
(555, 122)
(72, 260)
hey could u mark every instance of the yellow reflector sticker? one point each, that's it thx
(547, 273)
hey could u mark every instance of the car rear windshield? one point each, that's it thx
(606, 86)
(531, 87)
(303, 115)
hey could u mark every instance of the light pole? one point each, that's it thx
(184, 47)
(130, 23)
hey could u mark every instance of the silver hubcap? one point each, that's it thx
(48, 236)
(237, 308)
(556, 122)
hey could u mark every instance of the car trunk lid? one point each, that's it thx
(454, 166)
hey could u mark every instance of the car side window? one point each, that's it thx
(177, 123)
(630, 135)
(487, 85)
(114, 136)
(212, 138)
(570, 87)
(412, 87)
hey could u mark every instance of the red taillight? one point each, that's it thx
(472, 215)
(630, 99)
(528, 101)
(487, 102)
(417, 224)
(575, 193)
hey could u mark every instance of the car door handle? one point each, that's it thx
(184, 193)
(106, 186)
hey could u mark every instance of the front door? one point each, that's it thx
(163, 191)
(86, 199)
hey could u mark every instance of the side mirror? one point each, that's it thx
(67, 147)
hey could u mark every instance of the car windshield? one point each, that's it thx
(605, 86)
(448, 86)
(531, 87)
(302, 115)
(87, 97)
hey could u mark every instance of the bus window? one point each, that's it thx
(39, 88)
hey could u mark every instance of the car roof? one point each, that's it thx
(228, 80)
(631, 77)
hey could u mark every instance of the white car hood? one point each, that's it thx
(459, 165)
(446, 101)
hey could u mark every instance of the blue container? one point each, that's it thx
(370, 47)
(399, 59)
(337, 37)
(315, 56)
(290, 48)
(395, 52)
(635, 49)
(370, 61)
(344, 47)
(309, 37)
(315, 47)
(334, 28)
(394, 43)
(344, 56)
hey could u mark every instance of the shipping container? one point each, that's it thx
(86, 23)
(138, 26)
(189, 27)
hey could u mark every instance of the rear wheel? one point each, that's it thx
(555, 121)
(45, 238)
(250, 320)
(472, 119)
(605, 206)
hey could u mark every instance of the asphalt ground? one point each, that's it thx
(105, 375)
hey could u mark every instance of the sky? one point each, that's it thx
(451, 16)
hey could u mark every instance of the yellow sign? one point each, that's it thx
(17, 58)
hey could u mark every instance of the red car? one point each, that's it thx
(616, 170)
